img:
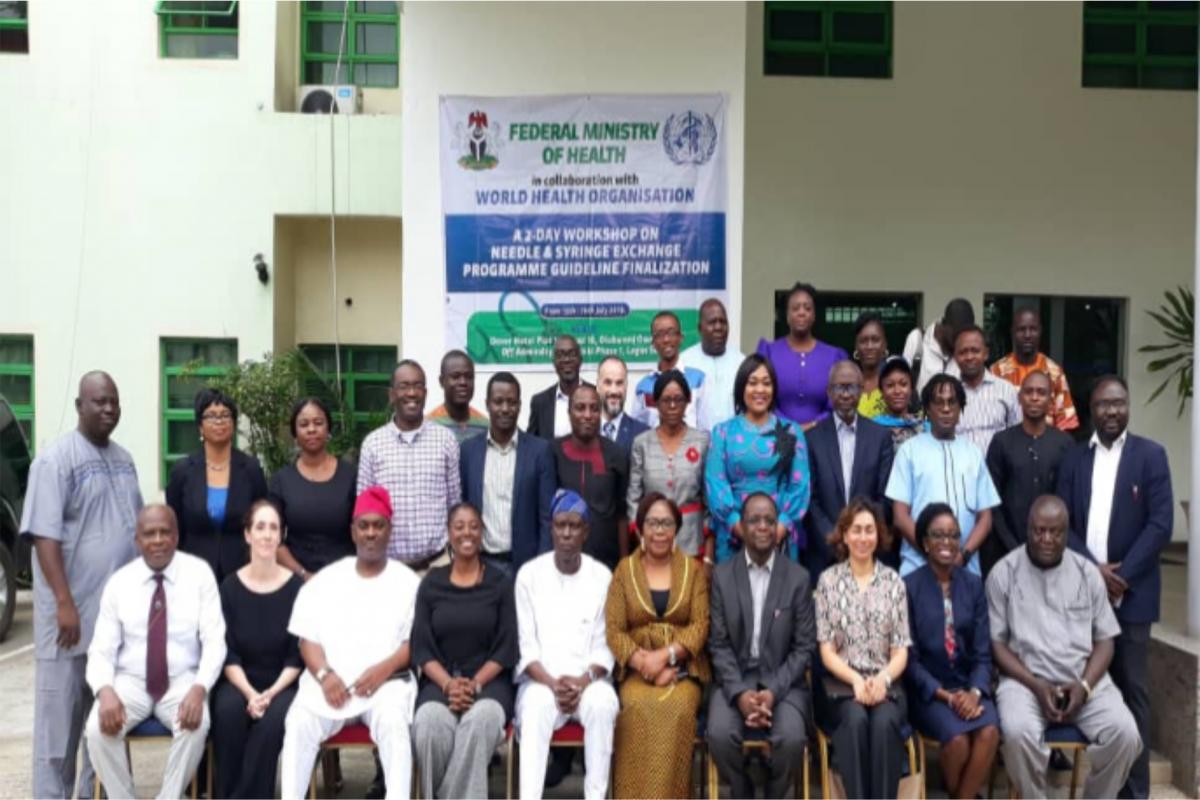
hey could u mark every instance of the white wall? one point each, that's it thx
(141, 188)
(982, 166)
(548, 48)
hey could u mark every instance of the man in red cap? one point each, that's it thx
(354, 621)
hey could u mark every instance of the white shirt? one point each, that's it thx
(847, 437)
(195, 625)
(933, 360)
(358, 622)
(562, 419)
(760, 581)
(499, 475)
(715, 405)
(560, 618)
(1104, 482)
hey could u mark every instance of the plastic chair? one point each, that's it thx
(757, 741)
(910, 744)
(148, 730)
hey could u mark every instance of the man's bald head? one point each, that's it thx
(157, 535)
(1047, 536)
(98, 406)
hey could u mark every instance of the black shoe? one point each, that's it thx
(559, 766)
(1059, 761)
(376, 791)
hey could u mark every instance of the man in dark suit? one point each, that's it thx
(848, 455)
(1117, 488)
(548, 409)
(509, 477)
(615, 424)
(762, 636)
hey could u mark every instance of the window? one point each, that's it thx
(1144, 44)
(14, 27)
(370, 54)
(837, 311)
(366, 378)
(197, 28)
(1085, 335)
(187, 364)
(16, 379)
(835, 39)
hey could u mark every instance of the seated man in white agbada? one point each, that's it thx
(158, 648)
(565, 660)
(354, 621)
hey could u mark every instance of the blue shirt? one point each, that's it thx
(929, 470)
(216, 505)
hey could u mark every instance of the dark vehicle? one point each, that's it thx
(14, 477)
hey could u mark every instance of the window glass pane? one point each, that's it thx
(185, 21)
(375, 8)
(382, 361)
(211, 353)
(855, 66)
(17, 389)
(859, 28)
(1110, 75)
(182, 436)
(27, 428)
(323, 37)
(795, 64)
(377, 75)
(1169, 77)
(323, 72)
(1171, 40)
(181, 392)
(14, 40)
(188, 45)
(14, 10)
(1173, 6)
(203, 6)
(370, 395)
(322, 357)
(16, 350)
(837, 312)
(325, 7)
(1101, 38)
(798, 26)
(375, 39)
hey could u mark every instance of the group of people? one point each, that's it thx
(725, 550)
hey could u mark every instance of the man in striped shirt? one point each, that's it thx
(991, 402)
(416, 460)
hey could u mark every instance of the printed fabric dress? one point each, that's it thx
(742, 460)
(656, 728)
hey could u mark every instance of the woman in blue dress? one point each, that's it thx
(949, 672)
(756, 451)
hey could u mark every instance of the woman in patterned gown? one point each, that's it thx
(657, 626)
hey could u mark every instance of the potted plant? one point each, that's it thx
(1177, 318)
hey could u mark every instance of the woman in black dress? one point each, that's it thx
(465, 640)
(211, 489)
(249, 706)
(315, 494)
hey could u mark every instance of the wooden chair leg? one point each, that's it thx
(804, 776)
(1076, 768)
(96, 787)
(714, 781)
(510, 767)
(312, 782)
(823, 745)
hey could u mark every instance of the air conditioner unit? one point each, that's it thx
(320, 99)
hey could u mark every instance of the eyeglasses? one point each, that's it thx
(761, 519)
(659, 524)
(845, 388)
(218, 416)
(673, 400)
(942, 536)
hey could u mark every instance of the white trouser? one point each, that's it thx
(538, 718)
(388, 720)
(108, 752)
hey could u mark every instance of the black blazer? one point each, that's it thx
(541, 412)
(1141, 520)
(187, 494)
(533, 488)
(628, 431)
(788, 636)
(873, 454)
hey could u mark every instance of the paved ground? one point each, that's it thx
(16, 699)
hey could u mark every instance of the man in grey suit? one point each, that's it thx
(762, 636)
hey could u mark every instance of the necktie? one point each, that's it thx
(610, 431)
(156, 643)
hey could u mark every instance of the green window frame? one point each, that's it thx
(371, 56)
(14, 26)
(197, 29)
(829, 39)
(1140, 44)
(16, 380)
(366, 377)
(186, 365)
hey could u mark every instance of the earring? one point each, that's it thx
(202, 437)
(854, 355)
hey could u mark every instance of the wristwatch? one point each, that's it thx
(671, 655)
(321, 673)
(478, 687)
(593, 676)
(977, 692)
